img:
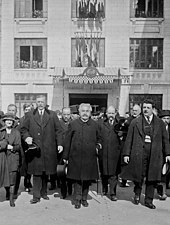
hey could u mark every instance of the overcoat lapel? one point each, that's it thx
(46, 118)
(37, 118)
(139, 126)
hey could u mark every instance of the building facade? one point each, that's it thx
(100, 51)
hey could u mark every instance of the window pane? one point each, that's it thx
(147, 55)
(88, 52)
(147, 8)
(37, 57)
(25, 56)
(37, 8)
(88, 9)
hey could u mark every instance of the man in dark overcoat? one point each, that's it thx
(109, 156)
(146, 145)
(66, 185)
(41, 127)
(81, 141)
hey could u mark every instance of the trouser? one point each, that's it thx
(40, 185)
(150, 185)
(112, 181)
(27, 181)
(66, 186)
(81, 189)
(17, 182)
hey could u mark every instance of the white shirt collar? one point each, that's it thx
(150, 117)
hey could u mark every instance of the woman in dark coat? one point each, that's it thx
(80, 151)
(13, 147)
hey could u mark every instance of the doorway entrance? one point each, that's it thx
(97, 101)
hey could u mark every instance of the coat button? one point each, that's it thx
(38, 133)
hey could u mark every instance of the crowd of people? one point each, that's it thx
(92, 146)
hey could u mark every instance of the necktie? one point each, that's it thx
(148, 119)
(41, 115)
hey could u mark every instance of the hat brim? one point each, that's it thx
(61, 170)
(8, 118)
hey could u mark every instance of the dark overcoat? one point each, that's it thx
(80, 150)
(110, 153)
(46, 135)
(13, 139)
(134, 146)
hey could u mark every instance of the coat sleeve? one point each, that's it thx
(24, 129)
(129, 140)
(166, 144)
(58, 130)
(67, 142)
(17, 142)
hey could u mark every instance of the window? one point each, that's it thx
(139, 98)
(147, 8)
(31, 8)
(88, 52)
(146, 53)
(88, 9)
(30, 53)
(22, 98)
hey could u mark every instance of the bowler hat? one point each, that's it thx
(164, 113)
(61, 170)
(8, 116)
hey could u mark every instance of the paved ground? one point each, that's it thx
(101, 210)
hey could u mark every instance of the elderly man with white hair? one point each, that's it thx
(81, 141)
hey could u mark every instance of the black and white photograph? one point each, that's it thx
(84, 112)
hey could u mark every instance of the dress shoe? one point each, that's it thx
(162, 197)
(84, 203)
(136, 199)
(113, 198)
(77, 204)
(150, 205)
(124, 185)
(45, 197)
(12, 204)
(34, 201)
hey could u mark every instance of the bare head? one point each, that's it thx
(111, 112)
(85, 110)
(41, 102)
(66, 114)
(12, 109)
(136, 110)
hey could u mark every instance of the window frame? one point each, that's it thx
(139, 49)
(31, 43)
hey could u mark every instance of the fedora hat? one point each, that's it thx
(165, 168)
(164, 113)
(61, 170)
(8, 116)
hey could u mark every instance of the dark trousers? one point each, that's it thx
(150, 185)
(66, 186)
(40, 186)
(112, 181)
(81, 189)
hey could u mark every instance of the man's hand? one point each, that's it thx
(126, 159)
(65, 161)
(168, 158)
(9, 147)
(60, 149)
(28, 140)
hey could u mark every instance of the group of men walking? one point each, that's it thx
(135, 149)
